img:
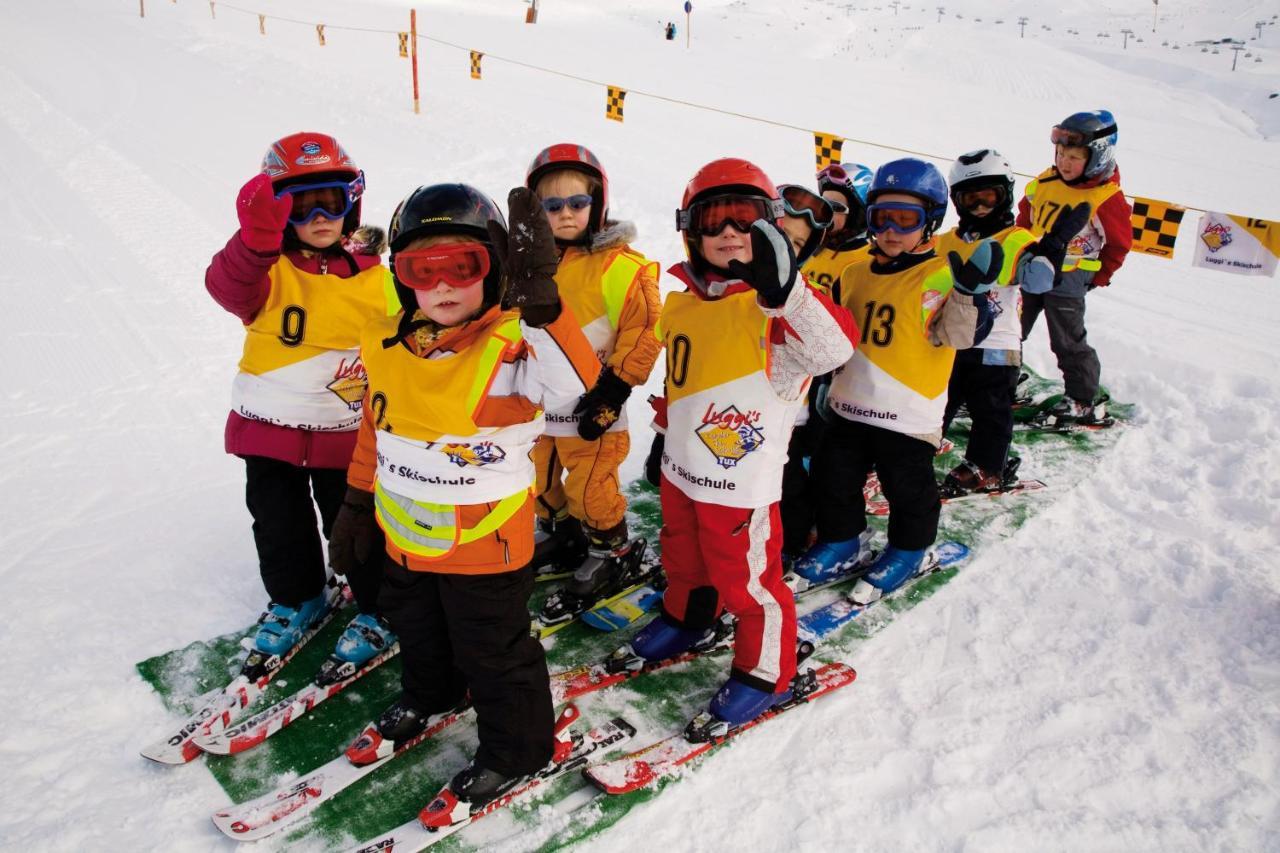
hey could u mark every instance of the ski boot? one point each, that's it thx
(1069, 412)
(478, 786)
(610, 566)
(738, 702)
(281, 627)
(659, 640)
(891, 570)
(396, 727)
(366, 637)
(826, 562)
(558, 546)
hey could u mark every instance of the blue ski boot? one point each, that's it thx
(366, 637)
(282, 627)
(828, 561)
(738, 702)
(659, 640)
(893, 568)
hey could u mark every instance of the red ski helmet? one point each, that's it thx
(578, 158)
(726, 175)
(309, 157)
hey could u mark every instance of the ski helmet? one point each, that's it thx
(1094, 131)
(578, 158)
(446, 209)
(307, 158)
(726, 176)
(979, 169)
(917, 178)
(850, 180)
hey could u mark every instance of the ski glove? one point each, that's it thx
(355, 533)
(263, 217)
(530, 258)
(975, 276)
(773, 270)
(1053, 245)
(601, 406)
(653, 462)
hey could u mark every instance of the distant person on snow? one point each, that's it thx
(457, 387)
(743, 341)
(886, 404)
(304, 279)
(985, 376)
(612, 292)
(1084, 172)
(671, 31)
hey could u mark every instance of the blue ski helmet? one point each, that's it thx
(1094, 131)
(917, 178)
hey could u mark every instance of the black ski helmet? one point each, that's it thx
(447, 209)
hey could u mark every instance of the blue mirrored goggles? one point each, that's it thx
(897, 216)
(576, 203)
(330, 199)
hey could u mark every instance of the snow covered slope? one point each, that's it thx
(1105, 679)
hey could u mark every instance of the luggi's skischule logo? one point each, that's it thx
(1216, 236)
(730, 434)
(479, 454)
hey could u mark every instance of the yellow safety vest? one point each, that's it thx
(1048, 194)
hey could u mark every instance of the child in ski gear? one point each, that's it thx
(304, 279)
(887, 402)
(844, 186)
(612, 290)
(984, 377)
(809, 217)
(442, 466)
(743, 341)
(1084, 171)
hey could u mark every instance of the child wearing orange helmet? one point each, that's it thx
(743, 341)
(304, 279)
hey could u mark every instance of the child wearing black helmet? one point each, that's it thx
(915, 310)
(984, 377)
(457, 386)
(1084, 172)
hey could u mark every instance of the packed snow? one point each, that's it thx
(1105, 678)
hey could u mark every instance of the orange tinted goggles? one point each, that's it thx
(456, 264)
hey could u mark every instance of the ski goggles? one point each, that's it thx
(896, 216)
(992, 197)
(804, 203)
(576, 203)
(458, 265)
(1078, 138)
(330, 199)
(711, 216)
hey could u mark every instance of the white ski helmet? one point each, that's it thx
(985, 167)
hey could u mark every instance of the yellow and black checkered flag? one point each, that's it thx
(1155, 226)
(476, 56)
(826, 149)
(613, 106)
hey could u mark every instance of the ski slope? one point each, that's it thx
(1106, 678)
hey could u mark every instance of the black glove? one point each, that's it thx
(653, 462)
(601, 407)
(355, 532)
(975, 276)
(773, 269)
(530, 256)
(1053, 245)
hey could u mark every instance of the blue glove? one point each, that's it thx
(773, 269)
(975, 276)
(1036, 274)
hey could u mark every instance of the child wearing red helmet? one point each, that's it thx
(743, 341)
(612, 291)
(304, 279)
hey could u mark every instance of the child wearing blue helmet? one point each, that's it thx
(1084, 172)
(914, 310)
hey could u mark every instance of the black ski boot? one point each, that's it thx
(478, 786)
(559, 546)
(611, 566)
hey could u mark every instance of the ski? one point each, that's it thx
(248, 733)
(635, 575)
(288, 804)
(446, 814)
(665, 758)
(628, 610)
(824, 621)
(220, 708)
(880, 506)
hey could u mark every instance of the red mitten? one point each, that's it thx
(263, 217)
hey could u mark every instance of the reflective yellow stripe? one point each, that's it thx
(502, 338)
(616, 284)
(497, 517)
(940, 281)
(1086, 264)
(1013, 246)
(389, 293)
(407, 524)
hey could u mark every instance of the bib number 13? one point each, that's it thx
(877, 324)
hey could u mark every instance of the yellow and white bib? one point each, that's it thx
(897, 379)
(727, 429)
(301, 364)
(1048, 194)
(1006, 296)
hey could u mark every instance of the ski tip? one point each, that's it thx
(173, 756)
